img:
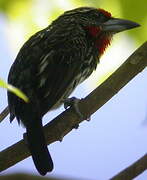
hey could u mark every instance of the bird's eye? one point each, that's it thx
(102, 17)
(105, 13)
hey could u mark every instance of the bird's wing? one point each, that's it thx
(60, 71)
(50, 65)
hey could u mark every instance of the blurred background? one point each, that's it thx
(116, 135)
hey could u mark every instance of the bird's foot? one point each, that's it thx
(73, 102)
(61, 138)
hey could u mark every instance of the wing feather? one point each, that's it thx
(51, 64)
(61, 75)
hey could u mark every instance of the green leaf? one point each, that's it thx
(14, 90)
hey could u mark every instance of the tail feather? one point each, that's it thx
(38, 148)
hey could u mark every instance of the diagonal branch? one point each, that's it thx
(132, 171)
(64, 123)
(4, 114)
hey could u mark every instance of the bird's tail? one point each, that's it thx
(38, 147)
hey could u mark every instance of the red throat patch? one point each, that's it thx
(102, 40)
(94, 31)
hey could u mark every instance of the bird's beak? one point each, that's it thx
(115, 25)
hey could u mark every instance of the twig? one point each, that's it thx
(23, 176)
(132, 171)
(4, 114)
(64, 123)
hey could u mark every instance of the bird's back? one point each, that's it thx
(49, 66)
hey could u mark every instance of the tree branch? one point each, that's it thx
(132, 171)
(64, 123)
(4, 114)
(23, 176)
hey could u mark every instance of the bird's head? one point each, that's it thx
(100, 24)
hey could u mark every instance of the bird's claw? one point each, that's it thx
(76, 126)
(73, 102)
(61, 138)
(88, 119)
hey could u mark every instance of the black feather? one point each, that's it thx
(47, 69)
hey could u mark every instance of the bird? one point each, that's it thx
(52, 63)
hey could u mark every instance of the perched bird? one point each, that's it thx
(52, 63)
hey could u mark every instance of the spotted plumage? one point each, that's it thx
(52, 63)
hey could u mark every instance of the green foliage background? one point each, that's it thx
(129, 9)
